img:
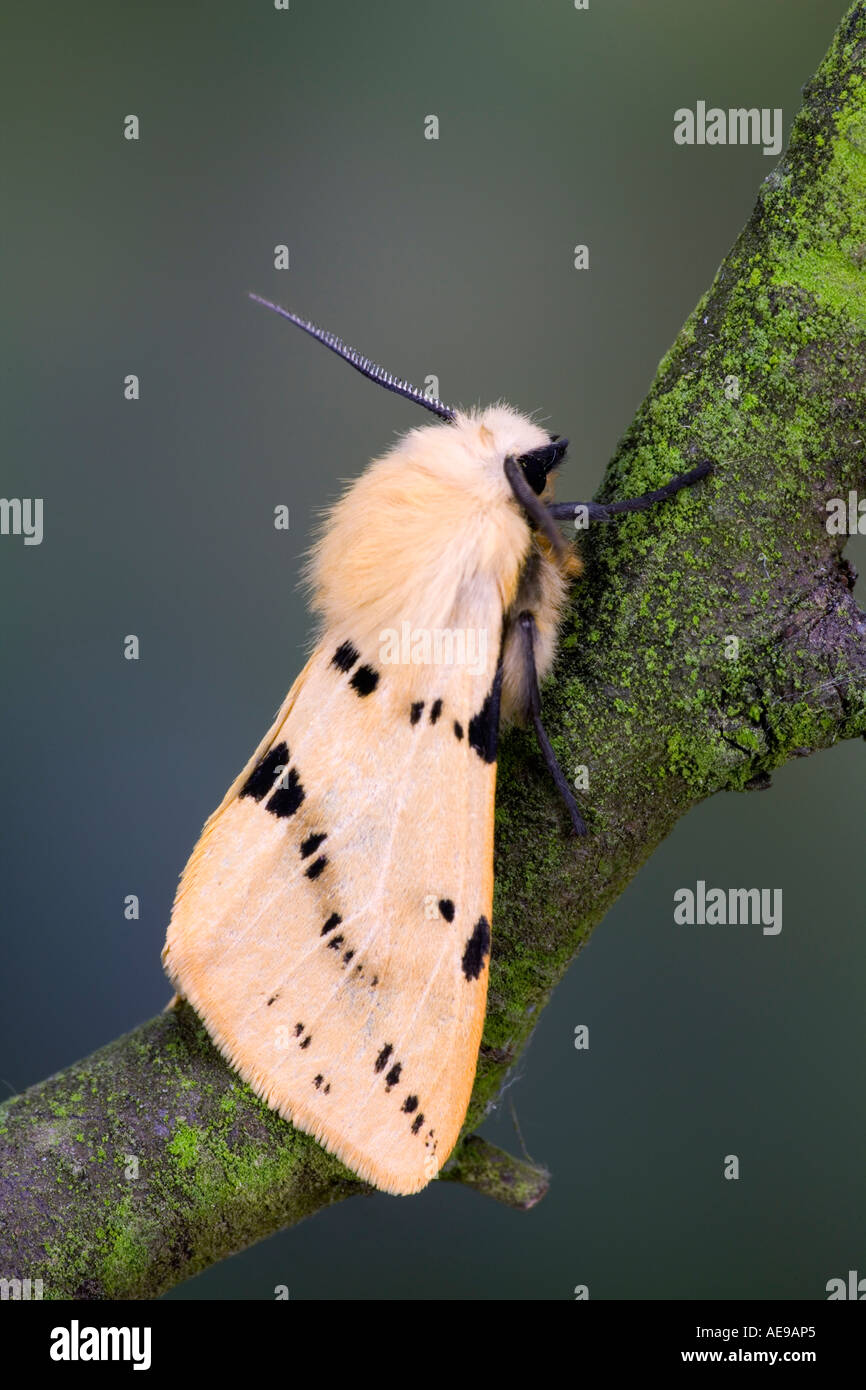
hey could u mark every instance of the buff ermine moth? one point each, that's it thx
(332, 927)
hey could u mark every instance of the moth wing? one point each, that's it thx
(332, 927)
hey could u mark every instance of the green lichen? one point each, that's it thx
(184, 1146)
(125, 1255)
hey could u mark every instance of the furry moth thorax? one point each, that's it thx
(431, 534)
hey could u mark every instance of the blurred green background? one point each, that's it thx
(455, 258)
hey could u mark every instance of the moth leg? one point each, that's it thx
(527, 628)
(606, 511)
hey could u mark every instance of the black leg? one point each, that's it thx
(606, 511)
(527, 627)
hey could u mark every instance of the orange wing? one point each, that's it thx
(332, 927)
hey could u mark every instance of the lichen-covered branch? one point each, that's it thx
(710, 641)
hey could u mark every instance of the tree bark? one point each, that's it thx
(709, 641)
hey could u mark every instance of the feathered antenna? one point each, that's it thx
(360, 363)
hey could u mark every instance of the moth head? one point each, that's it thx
(522, 456)
(500, 432)
(538, 464)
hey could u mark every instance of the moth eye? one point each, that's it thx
(534, 470)
(539, 462)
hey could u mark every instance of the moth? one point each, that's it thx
(332, 927)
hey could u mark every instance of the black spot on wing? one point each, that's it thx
(316, 867)
(345, 656)
(458, 729)
(299, 1028)
(435, 711)
(261, 779)
(416, 711)
(382, 1059)
(477, 947)
(317, 1080)
(417, 1123)
(307, 1040)
(446, 907)
(393, 1076)
(311, 844)
(333, 921)
(365, 680)
(286, 799)
(348, 956)
(335, 942)
(484, 726)
(273, 997)
(410, 1104)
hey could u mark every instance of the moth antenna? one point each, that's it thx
(362, 364)
(606, 511)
